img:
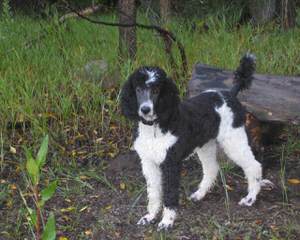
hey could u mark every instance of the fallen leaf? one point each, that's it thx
(122, 186)
(82, 209)
(95, 196)
(88, 232)
(63, 238)
(68, 209)
(108, 207)
(82, 177)
(13, 186)
(229, 188)
(294, 181)
(12, 150)
(258, 222)
(113, 127)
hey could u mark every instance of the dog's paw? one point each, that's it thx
(265, 183)
(165, 226)
(169, 216)
(247, 201)
(197, 196)
(146, 220)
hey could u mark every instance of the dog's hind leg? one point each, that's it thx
(234, 141)
(207, 156)
(152, 173)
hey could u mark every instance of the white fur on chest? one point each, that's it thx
(151, 144)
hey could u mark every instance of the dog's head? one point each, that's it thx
(148, 95)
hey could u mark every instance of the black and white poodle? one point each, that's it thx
(169, 130)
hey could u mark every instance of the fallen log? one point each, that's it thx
(270, 99)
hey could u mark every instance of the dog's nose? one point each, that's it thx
(145, 109)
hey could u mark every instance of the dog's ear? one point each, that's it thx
(168, 99)
(128, 99)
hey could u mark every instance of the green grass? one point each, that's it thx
(44, 80)
(41, 82)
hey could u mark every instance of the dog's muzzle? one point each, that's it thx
(146, 113)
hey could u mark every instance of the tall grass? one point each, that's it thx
(41, 64)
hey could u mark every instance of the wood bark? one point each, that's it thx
(270, 98)
(262, 11)
(165, 10)
(288, 14)
(127, 35)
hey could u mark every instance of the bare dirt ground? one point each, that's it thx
(87, 207)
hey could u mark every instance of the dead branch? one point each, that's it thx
(85, 12)
(166, 35)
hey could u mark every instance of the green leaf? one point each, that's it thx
(49, 232)
(33, 170)
(48, 192)
(41, 156)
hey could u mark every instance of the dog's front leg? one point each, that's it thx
(152, 174)
(171, 181)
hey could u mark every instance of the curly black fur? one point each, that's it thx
(243, 76)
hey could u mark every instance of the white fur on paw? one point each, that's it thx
(247, 201)
(197, 196)
(145, 220)
(165, 225)
(168, 219)
(266, 183)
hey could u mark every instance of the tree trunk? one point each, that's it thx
(165, 10)
(262, 11)
(127, 35)
(270, 98)
(288, 14)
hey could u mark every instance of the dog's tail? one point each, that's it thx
(243, 75)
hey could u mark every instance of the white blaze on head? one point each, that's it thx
(151, 76)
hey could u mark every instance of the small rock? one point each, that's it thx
(98, 71)
(95, 70)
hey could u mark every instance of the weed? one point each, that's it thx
(34, 167)
(227, 200)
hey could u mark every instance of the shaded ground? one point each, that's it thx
(91, 206)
